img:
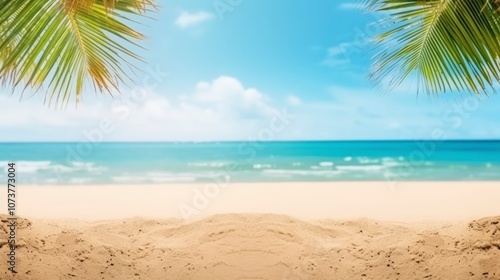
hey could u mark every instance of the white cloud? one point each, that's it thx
(32, 112)
(228, 94)
(221, 109)
(339, 55)
(186, 19)
(294, 100)
(360, 113)
(226, 109)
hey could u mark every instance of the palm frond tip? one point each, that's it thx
(448, 44)
(66, 44)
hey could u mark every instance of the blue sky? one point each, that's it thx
(235, 66)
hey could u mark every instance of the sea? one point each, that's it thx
(154, 163)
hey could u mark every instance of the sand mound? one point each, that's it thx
(254, 247)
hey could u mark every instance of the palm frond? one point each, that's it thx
(73, 5)
(66, 44)
(448, 44)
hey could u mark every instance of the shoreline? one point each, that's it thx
(404, 202)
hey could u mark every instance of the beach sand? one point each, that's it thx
(341, 230)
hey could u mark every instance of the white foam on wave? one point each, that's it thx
(326, 164)
(51, 181)
(62, 168)
(127, 179)
(35, 163)
(209, 164)
(368, 168)
(155, 177)
(391, 162)
(348, 159)
(367, 160)
(32, 166)
(180, 174)
(186, 176)
(87, 166)
(80, 163)
(262, 166)
(36, 166)
(289, 173)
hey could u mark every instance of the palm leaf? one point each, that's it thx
(67, 45)
(450, 45)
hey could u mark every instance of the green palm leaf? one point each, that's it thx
(448, 44)
(66, 45)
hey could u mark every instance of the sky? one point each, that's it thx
(254, 70)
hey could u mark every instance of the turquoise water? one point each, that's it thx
(87, 163)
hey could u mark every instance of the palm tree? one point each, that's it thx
(448, 45)
(63, 46)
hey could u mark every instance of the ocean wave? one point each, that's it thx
(51, 181)
(185, 176)
(391, 162)
(209, 164)
(369, 168)
(32, 166)
(155, 177)
(128, 179)
(324, 165)
(389, 159)
(205, 174)
(88, 166)
(367, 160)
(288, 172)
(458, 166)
(36, 166)
(262, 166)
